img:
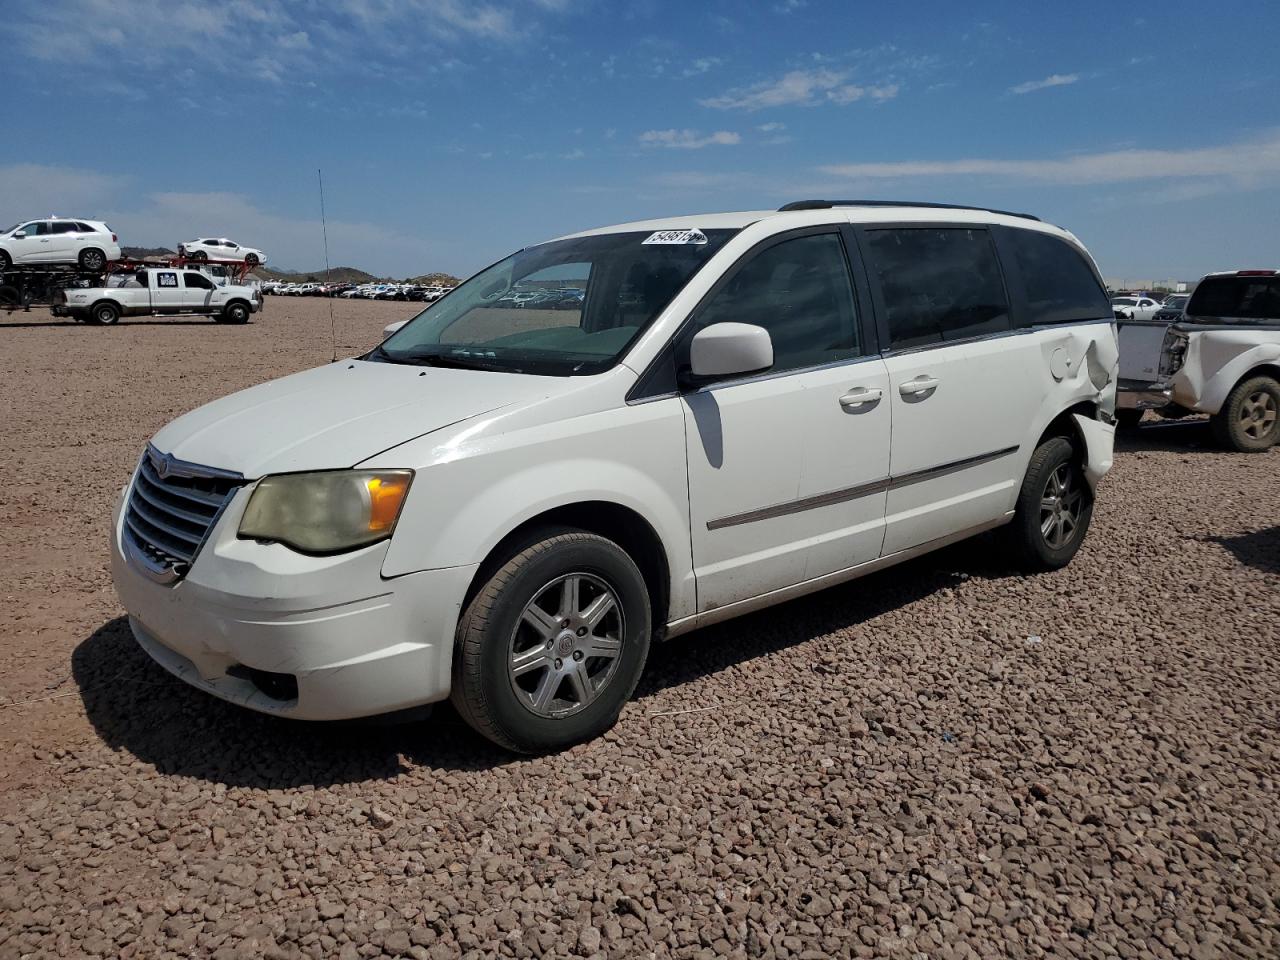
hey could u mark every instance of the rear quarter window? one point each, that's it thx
(1240, 298)
(1056, 282)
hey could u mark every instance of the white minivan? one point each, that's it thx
(505, 505)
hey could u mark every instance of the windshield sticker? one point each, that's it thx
(676, 237)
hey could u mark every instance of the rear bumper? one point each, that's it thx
(1137, 395)
(308, 638)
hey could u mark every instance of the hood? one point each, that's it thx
(338, 415)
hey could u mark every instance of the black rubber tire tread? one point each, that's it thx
(1225, 423)
(468, 695)
(1023, 535)
(6, 261)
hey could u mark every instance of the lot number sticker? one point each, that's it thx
(677, 237)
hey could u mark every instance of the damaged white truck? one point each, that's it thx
(1222, 359)
(160, 291)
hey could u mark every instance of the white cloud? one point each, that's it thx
(701, 65)
(1054, 80)
(1245, 162)
(771, 127)
(800, 87)
(688, 139)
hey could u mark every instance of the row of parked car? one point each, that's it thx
(417, 292)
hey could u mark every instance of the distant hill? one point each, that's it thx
(436, 279)
(139, 253)
(336, 274)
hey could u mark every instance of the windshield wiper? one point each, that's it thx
(454, 361)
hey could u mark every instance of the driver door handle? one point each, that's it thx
(921, 384)
(860, 395)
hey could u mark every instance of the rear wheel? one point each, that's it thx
(198, 255)
(91, 258)
(6, 261)
(1054, 508)
(1249, 421)
(551, 647)
(104, 314)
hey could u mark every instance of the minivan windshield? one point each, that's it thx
(1237, 298)
(569, 307)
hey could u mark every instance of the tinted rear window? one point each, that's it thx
(1242, 298)
(937, 283)
(1058, 284)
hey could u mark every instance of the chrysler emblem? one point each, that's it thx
(162, 463)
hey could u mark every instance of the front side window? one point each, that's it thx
(799, 290)
(937, 284)
(37, 228)
(1058, 286)
(569, 307)
(1236, 298)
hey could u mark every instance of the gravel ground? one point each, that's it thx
(942, 760)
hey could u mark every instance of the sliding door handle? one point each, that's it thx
(861, 396)
(919, 386)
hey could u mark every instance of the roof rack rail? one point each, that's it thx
(828, 204)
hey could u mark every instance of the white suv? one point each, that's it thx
(89, 244)
(505, 505)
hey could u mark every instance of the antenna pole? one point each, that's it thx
(324, 227)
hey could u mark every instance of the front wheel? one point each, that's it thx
(235, 313)
(6, 261)
(1249, 421)
(1054, 508)
(551, 647)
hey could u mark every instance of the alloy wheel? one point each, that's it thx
(1258, 414)
(565, 647)
(1060, 505)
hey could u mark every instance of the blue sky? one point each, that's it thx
(451, 133)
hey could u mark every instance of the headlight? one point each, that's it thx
(326, 512)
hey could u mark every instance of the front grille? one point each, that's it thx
(172, 507)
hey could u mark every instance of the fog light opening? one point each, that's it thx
(277, 686)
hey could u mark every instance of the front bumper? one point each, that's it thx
(1138, 395)
(354, 643)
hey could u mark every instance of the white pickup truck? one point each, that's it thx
(1222, 358)
(160, 291)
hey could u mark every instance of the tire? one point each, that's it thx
(251, 259)
(1054, 508)
(6, 261)
(235, 313)
(542, 702)
(1249, 421)
(104, 314)
(199, 256)
(92, 259)
(10, 296)
(1128, 419)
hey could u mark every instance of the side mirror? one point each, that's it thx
(19, 234)
(730, 349)
(391, 328)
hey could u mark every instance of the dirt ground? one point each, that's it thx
(941, 760)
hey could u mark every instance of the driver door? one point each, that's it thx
(788, 469)
(35, 246)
